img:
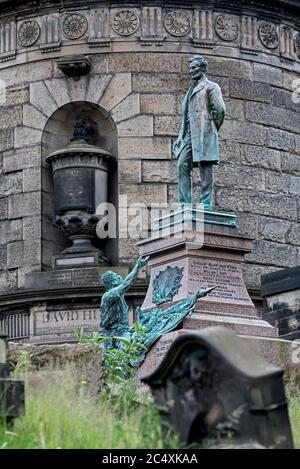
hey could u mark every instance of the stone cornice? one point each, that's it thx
(31, 297)
(282, 6)
(265, 3)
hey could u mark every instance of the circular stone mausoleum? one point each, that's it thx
(124, 66)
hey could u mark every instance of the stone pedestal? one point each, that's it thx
(194, 260)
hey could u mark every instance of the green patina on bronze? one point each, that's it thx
(114, 309)
(161, 321)
(197, 144)
(166, 284)
(156, 322)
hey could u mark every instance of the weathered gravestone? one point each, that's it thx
(281, 293)
(12, 394)
(214, 392)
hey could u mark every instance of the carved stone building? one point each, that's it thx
(138, 52)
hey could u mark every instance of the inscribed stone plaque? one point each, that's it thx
(61, 278)
(62, 323)
(48, 280)
(227, 275)
(85, 277)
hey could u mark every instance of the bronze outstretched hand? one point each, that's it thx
(142, 261)
(202, 293)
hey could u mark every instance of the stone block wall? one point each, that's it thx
(140, 85)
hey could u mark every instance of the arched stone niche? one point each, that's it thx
(58, 131)
(57, 134)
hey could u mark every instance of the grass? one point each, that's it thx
(294, 411)
(60, 413)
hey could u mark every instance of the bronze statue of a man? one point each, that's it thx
(197, 144)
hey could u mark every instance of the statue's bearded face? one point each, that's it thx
(111, 280)
(196, 70)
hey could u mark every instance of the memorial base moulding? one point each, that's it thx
(184, 263)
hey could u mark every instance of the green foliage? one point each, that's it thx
(23, 364)
(121, 354)
(294, 411)
(94, 339)
(128, 353)
(60, 413)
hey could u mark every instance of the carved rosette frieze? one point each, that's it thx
(149, 26)
(75, 26)
(28, 33)
(268, 35)
(226, 28)
(178, 23)
(126, 23)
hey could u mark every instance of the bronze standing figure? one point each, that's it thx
(197, 144)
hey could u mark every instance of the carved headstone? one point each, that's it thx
(213, 391)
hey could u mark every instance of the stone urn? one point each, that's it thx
(80, 176)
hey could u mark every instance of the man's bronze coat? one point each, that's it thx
(203, 115)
